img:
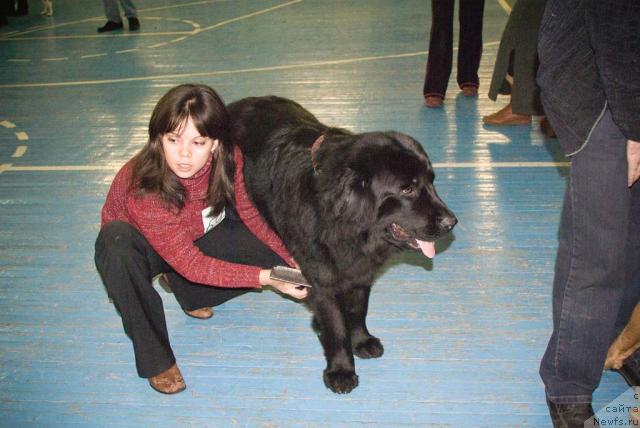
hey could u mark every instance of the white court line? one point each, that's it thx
(7, 124)
(93, 55)
(490, 165)
(443, 165)
(103, 36)
(20, 151)
(56, 59)
(249, 15)
(184, 76)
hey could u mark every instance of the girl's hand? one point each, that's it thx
(283, 287)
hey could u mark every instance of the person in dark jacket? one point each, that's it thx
(589, 76)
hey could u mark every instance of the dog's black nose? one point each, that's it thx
(448, 222)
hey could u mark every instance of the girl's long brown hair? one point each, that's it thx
(206, 109)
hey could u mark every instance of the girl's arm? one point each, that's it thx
(250, 215)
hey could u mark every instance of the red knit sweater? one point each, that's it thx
(172, 234)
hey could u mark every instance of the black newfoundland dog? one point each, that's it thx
(342, 203)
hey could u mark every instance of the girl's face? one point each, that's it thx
(186, 151)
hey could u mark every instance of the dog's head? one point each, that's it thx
(387, 189)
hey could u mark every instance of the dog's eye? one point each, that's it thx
(409, 190)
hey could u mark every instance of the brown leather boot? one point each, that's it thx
(169, 381)
(506, 116)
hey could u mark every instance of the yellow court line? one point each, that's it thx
(221, 72)
(505, 5)
(22, 136)
(442, 165)
(20, 151)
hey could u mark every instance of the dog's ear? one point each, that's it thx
(352, 197)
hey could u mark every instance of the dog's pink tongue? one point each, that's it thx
(428, 248)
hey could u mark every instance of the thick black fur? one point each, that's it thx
(336, 222)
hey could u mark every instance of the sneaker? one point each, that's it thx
(110, 26)
(134, 24)
(169, 381)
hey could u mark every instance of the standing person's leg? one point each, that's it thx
(440, 51)
(230, 241)
(131, 13)
(127, 264)
(589, 278)
(111, 10)
(471, 13)
(23, 8)
(4, 12)
(129, 8)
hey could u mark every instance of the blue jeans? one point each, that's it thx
(596, 268)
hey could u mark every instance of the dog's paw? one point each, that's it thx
(369, 348)
(340, 381)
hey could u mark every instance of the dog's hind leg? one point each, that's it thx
(356, 306)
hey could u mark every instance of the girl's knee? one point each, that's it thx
(114, 235)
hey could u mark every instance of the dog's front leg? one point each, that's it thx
(364, 344)
(335, 337)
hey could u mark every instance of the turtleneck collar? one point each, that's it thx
(198, 184)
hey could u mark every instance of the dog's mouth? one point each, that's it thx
(428, 248)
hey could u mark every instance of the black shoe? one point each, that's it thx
(134, 24)
(630, 372)
(571, 415)
(110, 26)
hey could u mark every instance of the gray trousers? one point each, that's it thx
(112, 11)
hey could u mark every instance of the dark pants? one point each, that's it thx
(597, 279)
(441, 45)
(127, 265)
